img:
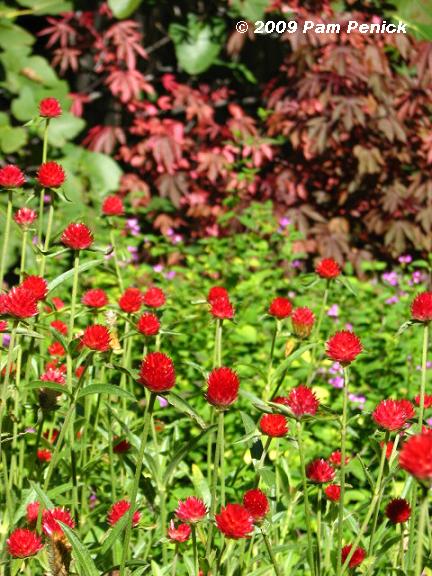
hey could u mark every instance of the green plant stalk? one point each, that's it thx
(319, 505)
(23, 253)
(195, 549)
(414, 495)
(6, 238)
(216, 362)
(217, 460)
(272, 349)
(401, 548)
(147, 419)
(174, 564)
(4, 393)
(47, 235)
(116, 263)
(377, 507)
(420, 533)
(305, 499)
(375, 498)
(317, 330)
(42, 192)
(271, 554)
(163, 522)
(342, 470)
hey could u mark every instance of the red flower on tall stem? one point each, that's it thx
(77, 237)
(95, 298)
(50, 518)
(320, 471)
(343, 347)
(25, 216)
(332, 492)
(302, 401)
(280, 308)
(49, 108)
(356, 559)
(154, 297)
(398, 511)
(51, 175)
(222, 387)
(222, 308)
(302, 322)
(274, 425)
(148, 324)
(191, 510)
(21, 303)
(37, 285)
(131, 300)
(328, 268)
(23, 543)
(393, 414)
(157, 372)
(216, 292)
(421, 307)
(181, 533)
(256, 503)
(11, 177)
(118, 510)
(415, 456)
(234, 521)
(113, 206)
(97, 338)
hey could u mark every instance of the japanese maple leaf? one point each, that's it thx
(127, 84)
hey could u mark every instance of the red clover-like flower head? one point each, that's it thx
(280, 308)
(398, 511)
(131, 300)
(21, 303)
(421, 307)
(222, 387)
(302, 401)
(25, 216)
(77, 237)
(181, 533)
(120, 508)
(157, 372)
(332, 492)
(274, 425)
(49, 108)
(50, 526)
(191, 510)
(234, 521)
(393, 414)
(343, 347)
(356, 559)
(51, 175)
(113, 206)
(11, 177)
(320, 471)
(23, 543)
(97, 338)
(328, 269)
(148, 324)
(256, 503)
(154, 297)
(37, 285)
(95, 298)
(416, 456)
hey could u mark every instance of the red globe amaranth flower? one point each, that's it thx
(179, 534)
(51, 436)
(49, 108)
(320, 471)
(53, 375)
(234, 521)
(336, 458)
(44, 455)
(77, 237)
(37, 285)
(328, 269)
(59, 326)
(416, 456)
(421, 307)
(148, 324)
(222, 387)
(120, 508)
(51, 175)
(11, 177)
(302, 401)
(96, 337)
(50, 526)
(332, 492)
(217, 292)
(356, 559)
(95, 298)
(191, 510)
(23, 543)
(389, 448)
(131, 300)
(79, 371)
(21, 303)
(280, 308)
(56, 349)
(274, 425)
(393, 414)
(154, 297)
(3, 326)
(398, 511)
(32, 512)
(427, 400)
(222, 308)
(256, 503)
(157, 372)
(302, 320)
(343, 347)
(121, 446)
(113, 206)
(25, 216)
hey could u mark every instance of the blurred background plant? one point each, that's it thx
(192, 121)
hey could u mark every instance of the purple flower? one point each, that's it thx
(133, 226)
(337, 382)
(429, 421)
(6, 340)
(284, 222)
(30, 431)
(333, 311)
(336, 368)
(392, 300)
(296, 263)
(133, 250)
(417, 277)
(405, 259)
(170, 275)
(428, 365)
(360, 400)
(158, 268)
(391, 278)
(163, 402)
(349, 326)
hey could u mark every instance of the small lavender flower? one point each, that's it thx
(349, 326)
(133, 226)
(6, 340)
(392, 300)
(296, 264)
(170, 275)
(417, 277)
(405, 259)
(337, 382)
(360, 400)
(336, 368)
(133, 250)
(284, 222)
(158, 268)
(92, 500)
(163, 402)
(428, 365)
(391, 278)
(333, 311)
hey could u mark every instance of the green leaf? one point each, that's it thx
(47, 6)
(69, 273)
(183, 406)
(291, 358)
(106, 389)
(251, 10)
(198, 44)
(13, 35)
(64, 128)
(114, 534)
(200, 484)
(123, 8)
(50, 385)
(104, 172)
(82, 556)
(43, 497)
(12, 139)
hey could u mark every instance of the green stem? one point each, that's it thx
(174, 564)
(316, 332)
(271, 554)
(195, 549)
(116, 264)
(306, 499)
(5, 391)
(374, 502)
(401, 548)
(342, 471)
(74, 297)
(138, 469)
(272, 348)
(218, 460)
(47, 235)
(377, 507)
(6, 246)
(319, 505)
(42, 192)
(163, 522)
(423, 374)
(420, 533)
(23, 253)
